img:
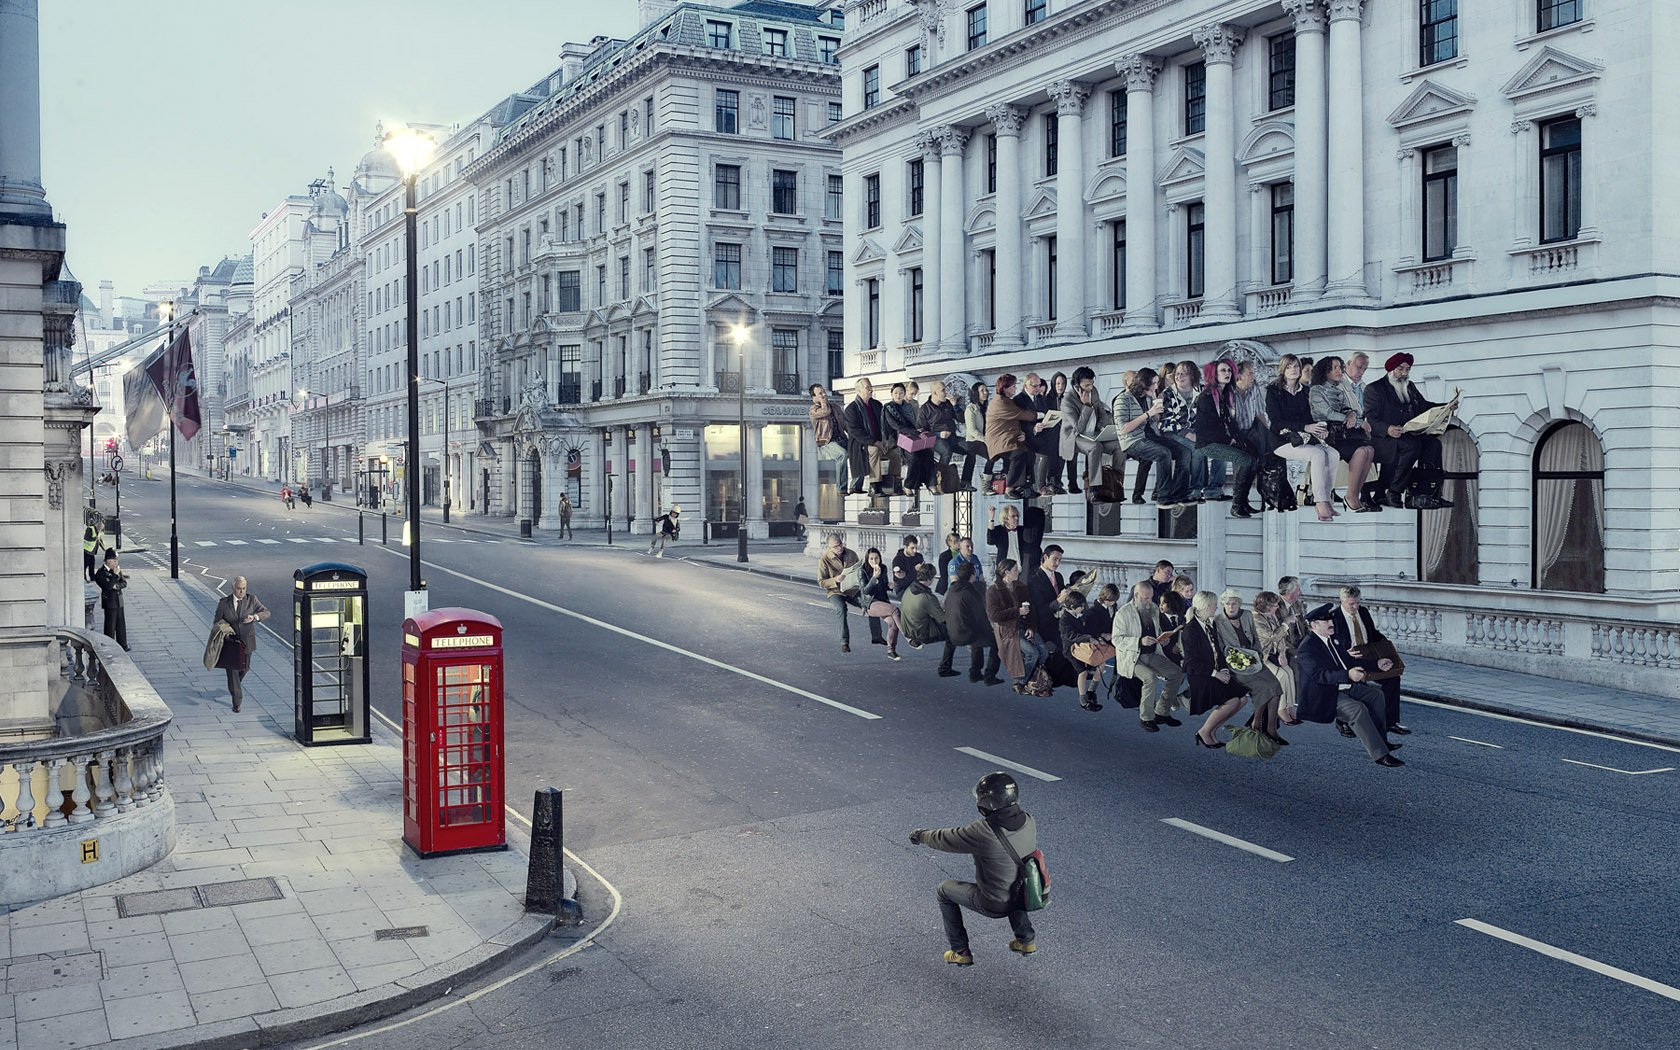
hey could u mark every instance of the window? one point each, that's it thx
(784, 192)
(624, 277)
(647, 116)
(569, 296)
(916, 292)
(1568, 510)
(623, 129)
(1195, 98)
(781, 118)
(600, 285)
(623, 202)
(835, 113)
(1050, 277)
(836, 355)
(836, 273)
(872, 316)
(649, 273)
(1556, 13)
(871, 202)
(977, 26)
(775, 43)
(1051, 137)
(720, 34)
(647, 192)
(916, 179)
(871, 87)
(1560, 180)
(912, 60)
(991, 163)
(784, 270)
(1440, 202)
(835, 203)
(1116, 123)
(1446, 539)
(1283, 233)
(1117, 293)
(991, 289)
(784, 353)
(725, 109)
(1437, 31)
(726, 187)
(1034, 11)
(828, 50)
(1194, 274)
(726, 266)
(1280, 71)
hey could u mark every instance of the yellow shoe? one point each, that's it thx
(1024, 949)
(956, 958)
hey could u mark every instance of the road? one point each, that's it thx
(756, 833)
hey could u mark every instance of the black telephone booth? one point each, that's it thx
(329, 654)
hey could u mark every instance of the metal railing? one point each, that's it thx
(644, 382)
(729, 382)
(787, 382)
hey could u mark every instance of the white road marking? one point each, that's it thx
(1016, 766)
(1613, 769)
(1625, 976)
(324, 539)
(1542, 725)
(268, 541)
(820, 605)
(204, 543)
(1229, 840)
(439, 539)
(1478, 743)
(655, 642)
(236, 543)
(296, 539)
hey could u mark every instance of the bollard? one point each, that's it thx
(384, 529)
(361, 529)
(545, 880)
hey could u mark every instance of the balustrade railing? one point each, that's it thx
(1179, 313)
(1040, 333)
(728, 382)
(1639, 645)
(787, 382)
(1109, 321)
(644, 382)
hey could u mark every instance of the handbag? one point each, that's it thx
(1275, 492)
(920, 443)
(1383, 650)
(1112, 489)
(1040, 684)
(1032, 874)
(1250, 743)
(1092, 654)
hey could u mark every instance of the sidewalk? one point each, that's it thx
(342, 925)
(1551, 700)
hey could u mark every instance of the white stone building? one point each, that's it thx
(277, 253)
(235, 378)
(327, 349)
(1120, 183)
(660, 192)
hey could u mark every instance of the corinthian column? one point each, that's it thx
(1347, 143)
(1219, 45)
(1006, 126)
(1070, 99)
(20, 125)
(1312, 199)
(953, 320)
(1140, 72)
(932, 237)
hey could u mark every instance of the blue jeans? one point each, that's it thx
(1170, 486)
(1033, 654)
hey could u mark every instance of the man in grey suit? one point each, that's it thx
(1136, 655)
(1084, 416)
(242, 611)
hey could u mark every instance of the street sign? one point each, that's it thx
(116, 464)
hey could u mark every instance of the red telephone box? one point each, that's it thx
(453, 777)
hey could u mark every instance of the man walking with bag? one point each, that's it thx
(1003, 835)
(241, 611)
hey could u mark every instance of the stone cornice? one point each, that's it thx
(899, 109)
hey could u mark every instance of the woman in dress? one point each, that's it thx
(1277, 647)
(1218, 438)
(877, 602)
(1214, 690)
(1007, 609)
(1237, 629)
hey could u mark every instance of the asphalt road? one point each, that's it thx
(770, 898)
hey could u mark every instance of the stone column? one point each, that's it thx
(1410, 165)
(1312, 189)
(1219, 45)
(1006, 126)
(1070, 96)
(1140, 72)
(1347, 164)
(932, 237)
(20, 127)
(953, 316)
(757, 527)
(646, 481)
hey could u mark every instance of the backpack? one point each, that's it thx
(1032, 874)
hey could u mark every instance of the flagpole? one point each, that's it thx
(174, 536)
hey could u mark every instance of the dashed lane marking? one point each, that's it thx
(269, 541)
(1229, 840)
(1007, 764)
(1616, 972)
(1496, 716)
(1613, 769)
(1478, 743)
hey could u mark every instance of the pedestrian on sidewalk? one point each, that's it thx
(843, 593)
(566, 532)
(801, 517)
(997, 886)
(242, 611)
(112, 582)
(665, 529)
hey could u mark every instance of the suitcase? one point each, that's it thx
(950, 478)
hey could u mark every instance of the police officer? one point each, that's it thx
(995, 891)
(112, 581)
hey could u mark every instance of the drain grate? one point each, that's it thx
(210, 895)
(156, 902)
(244, 891)
(401, 933)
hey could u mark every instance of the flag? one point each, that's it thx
(141, 403)
(171, 371)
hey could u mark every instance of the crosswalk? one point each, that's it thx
(271, 542)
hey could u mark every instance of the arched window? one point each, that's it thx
(1447, 539)
(1568, 525)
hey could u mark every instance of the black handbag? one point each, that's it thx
(1275, 493)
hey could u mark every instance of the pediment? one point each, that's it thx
(730, 303)
(1274, 138)
(615, 312)
(595, 318)
(1550, 69)
(642, 307)
(1106, 186)
(868, 250)
(1185, 163)
(1430, 101)
(982, 217)
(1042, 204)
(908, 241)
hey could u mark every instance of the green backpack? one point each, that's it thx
(1032, 874)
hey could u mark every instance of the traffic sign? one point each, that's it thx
(116, 464)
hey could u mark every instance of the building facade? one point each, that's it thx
(277, 252)
(659, 256)
(1118, 184)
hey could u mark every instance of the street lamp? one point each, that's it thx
(740, 334)
(412, 148)
(445, 384)
(166, 310)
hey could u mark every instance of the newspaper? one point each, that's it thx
(1434, 421)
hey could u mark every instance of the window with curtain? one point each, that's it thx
(1447, 538)
(1568, 510)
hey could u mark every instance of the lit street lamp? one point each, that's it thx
(445, 384)
(740, 334)
(412, 149)
(167, 310)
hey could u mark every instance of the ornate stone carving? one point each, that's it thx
(928, 143)
(1341, 10)
(1262, 355)
(1520, 126)
(952, 139)
(957, 386)
(757, 112)
(1140, 72)
(932, 16)
(1588, 110)
(56, 472)
(1070, 96)
(1006, 119)
(1461, 140)
(1219, 42)
(1308, 15)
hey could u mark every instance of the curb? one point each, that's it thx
(713, 563)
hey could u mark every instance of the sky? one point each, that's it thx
(169, 126)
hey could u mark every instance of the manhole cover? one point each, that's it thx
(400, 933)
(244, 891)
(156, 902)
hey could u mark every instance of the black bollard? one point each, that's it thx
(384, 529)
(361, 528)
(545, 879)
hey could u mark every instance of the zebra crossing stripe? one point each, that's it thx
(236, 543)
(296, 539)
(268, 541)
(204, 543)
(325, 539)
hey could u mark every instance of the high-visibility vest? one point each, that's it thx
(90, 543)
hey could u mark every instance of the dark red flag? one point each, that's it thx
(177, 383)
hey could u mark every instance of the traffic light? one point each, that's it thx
(110, 444)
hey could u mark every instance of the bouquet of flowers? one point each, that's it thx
(1243, 663)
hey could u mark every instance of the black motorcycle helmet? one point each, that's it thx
(996, 791)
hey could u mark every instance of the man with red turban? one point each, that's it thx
(1411, 463)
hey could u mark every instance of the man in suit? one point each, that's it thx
(1389, 403)
(112, 581)
(1084, 416)
(242, 611)
(1354, 631)
(1045, 590)
(1045, 443)
(1331, 689)
(1137, 654)
(866, 444)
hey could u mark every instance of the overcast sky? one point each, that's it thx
(169, 126)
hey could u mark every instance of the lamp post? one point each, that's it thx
(412, 148)
(167, 309)
(445, 384)
(740, 334)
